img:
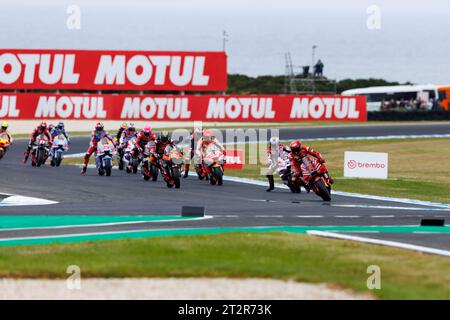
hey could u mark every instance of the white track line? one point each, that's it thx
(346, 194)
(380, 242)
(16, 200)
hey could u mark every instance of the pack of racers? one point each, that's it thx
(281, 159)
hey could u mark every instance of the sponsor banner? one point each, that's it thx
(366, 165)
(235, 159)
(113, 70)
(182, 108)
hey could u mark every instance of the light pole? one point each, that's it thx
(314, 47)
(224, 39)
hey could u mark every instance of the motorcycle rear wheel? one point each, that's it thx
(322, 191)
(176, 177)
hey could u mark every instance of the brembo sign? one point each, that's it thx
(112, 70)
(181, 108)
(366, 165)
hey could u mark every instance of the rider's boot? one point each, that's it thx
(26, 155)
(271, 183)
(186, 170)
(328, 177)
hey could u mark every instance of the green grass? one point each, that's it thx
(404, 274)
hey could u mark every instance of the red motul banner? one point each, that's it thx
(241, 108)
(235, 159)
(113, 70)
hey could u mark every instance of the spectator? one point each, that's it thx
(318, 69)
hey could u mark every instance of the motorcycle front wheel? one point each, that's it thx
(322, 191)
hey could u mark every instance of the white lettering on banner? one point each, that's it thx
(8, 107)
(139, 70)
(366, 165)
(234, 108)
(70, 106)
(60, 70)
(324, 108)
(159, 108)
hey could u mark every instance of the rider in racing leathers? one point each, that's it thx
(202, 145)
(194, 137)
(41, 129)
(278, 159)
(143, 138)
(4, 134)
(123, 127)
(98, 134)
(59, 129)
(298, 152)
(162, 141)
(126, 136)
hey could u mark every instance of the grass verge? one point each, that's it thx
(405, 274)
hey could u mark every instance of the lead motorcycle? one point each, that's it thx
(40, 151)
(172, 160)
(104, 155)
(60, 145)
(316, 180)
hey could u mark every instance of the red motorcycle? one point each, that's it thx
(314, 179)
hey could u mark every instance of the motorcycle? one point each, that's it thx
(147, 162)
(131, 163)
(60, 145)
(172, 160)
(40, 151)
(213, 162)
(4, 144)
(316, 180)
(104, 156)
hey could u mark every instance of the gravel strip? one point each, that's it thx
(172, 288)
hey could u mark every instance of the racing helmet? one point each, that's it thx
(60, 125)
(147, 131)
(43, 126)
(164, 136)
(131, 127)
(99, 126)
(207, 135)
(4, 125)
(295, 146)
(274, 142)
(124, 125)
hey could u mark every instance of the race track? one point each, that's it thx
(231, 205)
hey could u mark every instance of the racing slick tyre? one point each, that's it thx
(154, 171)
(176, 177)
(40, 158)
(108, 167)
(58, 159)
(120, 164)
(135, 167)
(218, 174)
(322, 191)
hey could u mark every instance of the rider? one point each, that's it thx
(298, 152)
(143, 137)
(122, 128)
(204, 142)
(275, 151)
(98, 134)
(59, 129)
(4, 134)
(162, 141)
(194, 137)
(41, 129)
(126, 136)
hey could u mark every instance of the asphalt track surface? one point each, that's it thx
(233, 204)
